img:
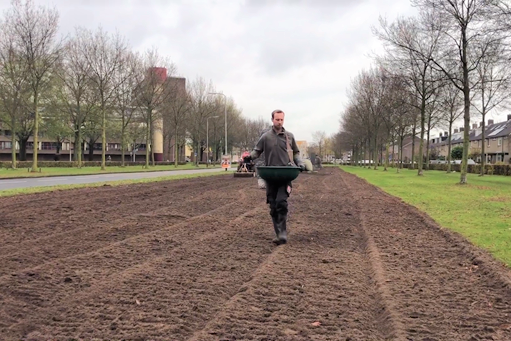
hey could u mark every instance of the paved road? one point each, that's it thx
(87, 179)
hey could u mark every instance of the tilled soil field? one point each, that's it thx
(193, 260)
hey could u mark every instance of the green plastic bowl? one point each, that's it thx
(278, 173)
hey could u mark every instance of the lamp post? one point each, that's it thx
(207, 139)
(225, 114)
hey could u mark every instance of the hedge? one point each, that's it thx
(475, 169)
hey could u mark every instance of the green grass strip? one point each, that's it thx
(67, 171)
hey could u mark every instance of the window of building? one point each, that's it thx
(114, 146)
(30, 145)
(49, 145)
(5, 145)
(97, 146)
(499, 141)
(488, 142)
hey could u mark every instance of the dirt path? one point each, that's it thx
(193, 260)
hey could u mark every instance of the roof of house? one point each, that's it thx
(494, 130)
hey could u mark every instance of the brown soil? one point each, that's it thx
(193, 260)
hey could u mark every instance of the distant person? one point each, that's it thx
(275, 143)
(318, 162)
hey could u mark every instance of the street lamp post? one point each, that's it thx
(207, 139)
(225, 114)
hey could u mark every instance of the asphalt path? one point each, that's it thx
(6, 184)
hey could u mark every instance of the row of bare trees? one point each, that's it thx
(452, 57)
(91, 86)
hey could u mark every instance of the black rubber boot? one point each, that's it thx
(282, 230)
(279, 224)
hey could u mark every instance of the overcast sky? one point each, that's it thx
(296, 55)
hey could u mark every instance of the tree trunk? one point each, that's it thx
(13, 143)
(23, 149)
(483, 148)
(466, 116)
(36, 132)
(148, 138)
(483, 135)
(176, 149)
(152, 142)
(413, 146)
(427, 143)
(449, 147)
(386, 157)
(421, 142)
(103, 139)
(91, 151)
(123, 138)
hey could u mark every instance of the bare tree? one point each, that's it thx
(412, 43)
(493, 86)
(151, 94)
(126, 106)
(319, 138)
(104, 55)
(76, 94)
(202, 106)
(464, 23)
(35, 30)
(451, 103)
(13, 84)
(176, 112)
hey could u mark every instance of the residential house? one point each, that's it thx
(407, 149)
(497, 141)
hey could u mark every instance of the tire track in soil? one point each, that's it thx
(114, 230)
(103, 287)
(322, 275)
(102, 206)
(390, 321)
(444, 287)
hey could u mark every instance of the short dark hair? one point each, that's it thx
(277, 111)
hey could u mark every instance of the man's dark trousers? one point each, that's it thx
(276, 196)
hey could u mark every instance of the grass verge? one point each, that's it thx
(65, 171)
(479, 210)
(31, 190)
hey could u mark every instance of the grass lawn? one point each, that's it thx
(30, 190)
(479, 210)
(57, 171)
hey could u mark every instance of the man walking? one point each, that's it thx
(280, 149)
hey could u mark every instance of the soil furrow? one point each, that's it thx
(106, 232)
(317, 287)
(196, 262)
(67, 210)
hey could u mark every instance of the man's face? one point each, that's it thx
(278, 120)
